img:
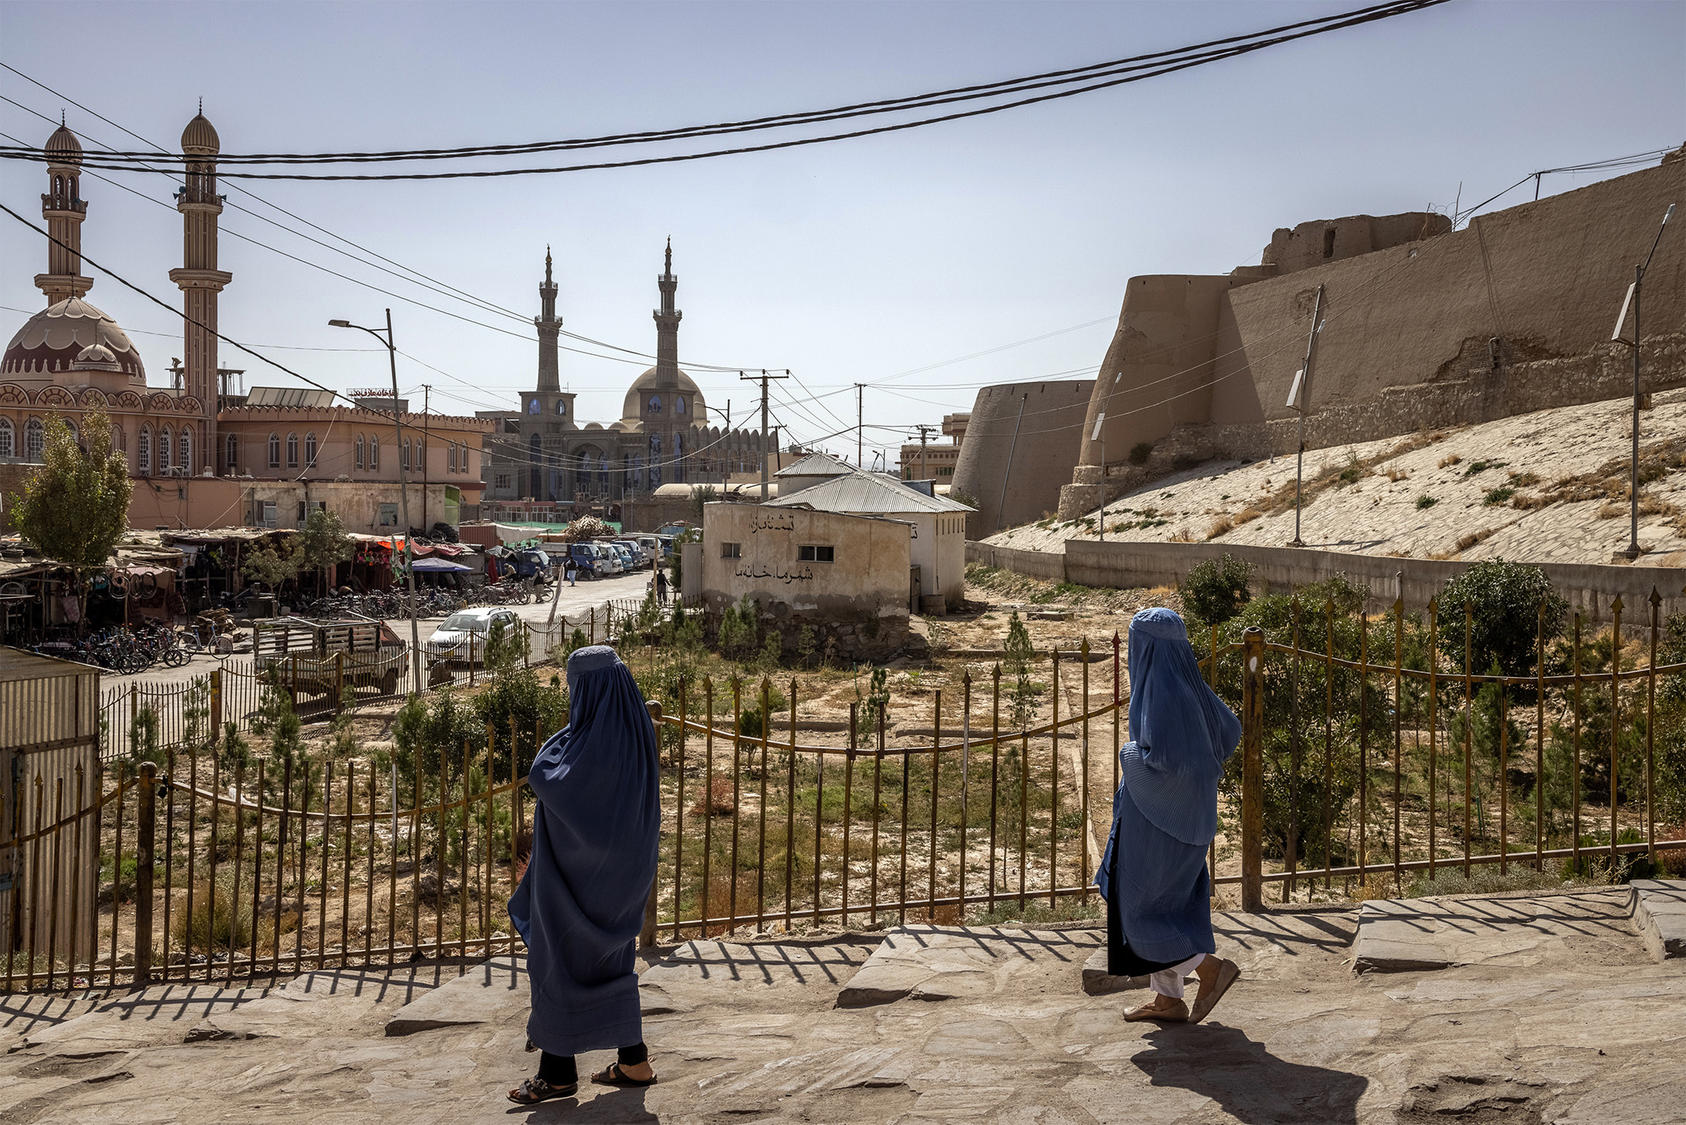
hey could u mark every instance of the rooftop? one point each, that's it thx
(864, 493)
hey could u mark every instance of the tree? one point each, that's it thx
(75, 507)
(1511, 607)
(1217, 589)
(323, 544)
(272, 565)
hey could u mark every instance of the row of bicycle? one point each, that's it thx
(127, 649)
(431, 601)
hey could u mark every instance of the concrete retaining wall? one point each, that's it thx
(1588, 586)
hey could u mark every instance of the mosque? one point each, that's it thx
(199, 456)
(541, 454)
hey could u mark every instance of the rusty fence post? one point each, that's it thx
(647, 935)
(1252, 769)
(146, 819)
(216, 705)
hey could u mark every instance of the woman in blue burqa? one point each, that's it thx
(580, 905)
(1165, 814)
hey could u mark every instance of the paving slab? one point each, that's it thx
(1417, 935)
(153, 1016)
(693, 973)
(1659, 913)
(486, 993)
(944, 962)
(320, 1003)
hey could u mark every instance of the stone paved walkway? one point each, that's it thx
(935, 1024)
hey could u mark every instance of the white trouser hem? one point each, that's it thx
(1169, 982)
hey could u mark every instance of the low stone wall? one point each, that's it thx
(1590, 587)
(1035, 564)
(872, 640)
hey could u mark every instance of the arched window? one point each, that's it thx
(404, 455)
(451, 457)
(34, 439)
(359, 451)
(119, 441)
(8, 445)
(231, 453)
(143, 451)
(655, 404)
(679, 404)
(374, 452)
(275, 451)
(184, 451)
(292, 451)
(655, 446)
(310, 450)
(165, 450)
(561, 406)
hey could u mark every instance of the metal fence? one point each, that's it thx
(1371, 751)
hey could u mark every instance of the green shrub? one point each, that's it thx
(1498, 495)
(1426, 501)
(1509, 605)
(1216, 589)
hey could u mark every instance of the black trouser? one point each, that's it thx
(559, 1070)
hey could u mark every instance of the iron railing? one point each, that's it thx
(1368, 755)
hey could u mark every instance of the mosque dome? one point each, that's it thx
(96, 357)
(632, 410)
(66, 339)
(63, 147)
(200, 136)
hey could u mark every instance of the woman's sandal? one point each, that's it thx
(613, 1075)
(534, 1090)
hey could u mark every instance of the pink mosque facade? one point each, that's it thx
(200, 458)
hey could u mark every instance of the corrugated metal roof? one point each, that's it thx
(816, 465)
(862, 493)
(17, 664)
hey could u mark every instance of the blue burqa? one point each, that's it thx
(1165, 813)
(581, 903)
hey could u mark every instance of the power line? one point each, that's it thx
(1130, 70)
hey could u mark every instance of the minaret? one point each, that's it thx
(667, 326)
(64, 209)
(549, 325)
(199, 279)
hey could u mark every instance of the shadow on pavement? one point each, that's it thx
(1245, 1079)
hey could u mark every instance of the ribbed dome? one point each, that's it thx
(51, 343)
(632, 410)
(200, 136)
(64, 146)
(96, 357)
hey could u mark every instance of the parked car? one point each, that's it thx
(608, 560)
(584, 558)
(652, 548)
(632, 553)
(461, 639)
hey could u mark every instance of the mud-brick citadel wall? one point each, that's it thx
(1021, 446)
(1422, 327)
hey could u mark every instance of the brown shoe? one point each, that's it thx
(1209, 995)
(1174, 1012)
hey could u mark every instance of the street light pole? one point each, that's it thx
(1297, 396)
(1634, 550)
(403, 489)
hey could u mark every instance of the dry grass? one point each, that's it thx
(1247, 515)
(1449, 460)
(1182, 535)
(1396, 475)
(717, 801)
(1465, 542)
(1223, 525)
(1524, 480)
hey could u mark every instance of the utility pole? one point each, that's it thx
(726, 458)
(427, 389)
(1298, 396)
(763, 377)
(924, 433)
(860, 424)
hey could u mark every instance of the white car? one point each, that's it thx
(462, 637)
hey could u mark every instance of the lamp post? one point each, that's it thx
(1099, 435)
(1298, 395)
(403, 488)
(1634, 550)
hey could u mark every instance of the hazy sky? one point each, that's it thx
(861, 261)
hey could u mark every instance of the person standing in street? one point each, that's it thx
(580, 904)
(661, 586)
(1165, 814)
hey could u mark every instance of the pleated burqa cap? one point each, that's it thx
(1181, 733)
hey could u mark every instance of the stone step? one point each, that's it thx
(947, 962)
(489, 992)
(1416, 935)
(155, 1016)
(1659, 912)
